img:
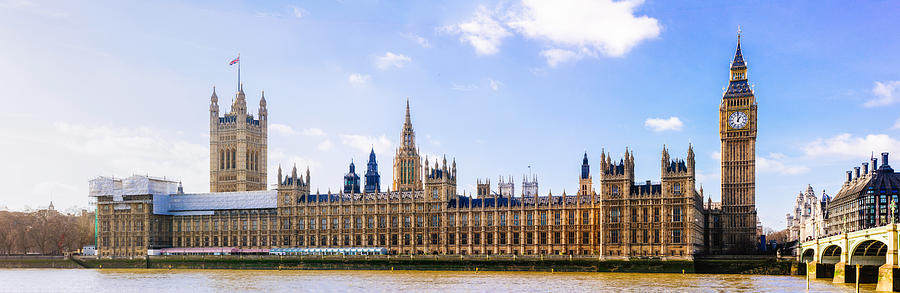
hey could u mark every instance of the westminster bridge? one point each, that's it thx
(871, 252)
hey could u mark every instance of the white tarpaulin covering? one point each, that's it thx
(105, 186)
(208, 202)
(134, 185)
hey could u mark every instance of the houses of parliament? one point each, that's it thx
(421, 211)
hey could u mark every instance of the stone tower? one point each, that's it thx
(678, 176)
(351, 180)
(407, 164)
(737, 131)
(529, 188)
(584, 182)
(440, 181)
(483, 188)
(373, 179)
(616, 178)
(507, 187)
(237, 146)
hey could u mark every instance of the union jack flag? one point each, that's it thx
(234, 61)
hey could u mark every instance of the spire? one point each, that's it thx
(585, 167)
(240, 101)
(372, 155)
(262, 100)
(214, 98)
(294, 175)
(738, 62)
(408, 122)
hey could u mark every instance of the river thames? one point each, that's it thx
(149, 280)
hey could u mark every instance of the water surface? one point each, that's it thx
(194, 281)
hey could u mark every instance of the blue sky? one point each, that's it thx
(122, 87)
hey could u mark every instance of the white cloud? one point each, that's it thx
(325, 145)
(660, 124)
(774, 163)
(494, 84)
(463, 87)
(281, 129)
(849, 146)
(419, 40)
(126, 151)
(896, 124)
(572, 28)
(556, 56)
(299, 12)
(609, 27)
(363, 143)
(358, 79)
(483, 32)
(885, 93)
(391, 60)
(313, 132)
(717, 156)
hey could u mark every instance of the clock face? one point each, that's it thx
(737, 120)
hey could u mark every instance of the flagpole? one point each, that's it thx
(239, 71)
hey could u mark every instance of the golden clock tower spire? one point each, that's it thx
(737, 131)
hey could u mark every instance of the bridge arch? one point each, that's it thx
(831, 254)
(809, 255)
(869, 252)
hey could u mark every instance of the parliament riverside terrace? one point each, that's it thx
(422, 212)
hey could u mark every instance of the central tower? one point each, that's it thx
(737, 130)
(237, 145)
(407, 165)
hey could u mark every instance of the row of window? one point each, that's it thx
(643, 215)
(645, 236)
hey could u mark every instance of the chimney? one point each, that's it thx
(849, 176)
(884, 159)
(865, 168)
(856, 170)
(874, 165)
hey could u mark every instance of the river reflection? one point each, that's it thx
(118, 280)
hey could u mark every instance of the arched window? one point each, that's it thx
(221, 159)
(677, 188)
(233, 159)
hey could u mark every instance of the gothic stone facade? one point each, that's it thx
(425, 214)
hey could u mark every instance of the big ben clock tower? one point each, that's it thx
(737, 130)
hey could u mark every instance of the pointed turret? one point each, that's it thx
(213, 109)
(263, 112)
(738, 62)
(373, 178)
(294, 175)
(690, 158)
(408, 121)
(240, 102)
(279, 175)
(214, 99)
(585, 167)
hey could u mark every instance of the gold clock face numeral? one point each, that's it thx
(737, 120)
